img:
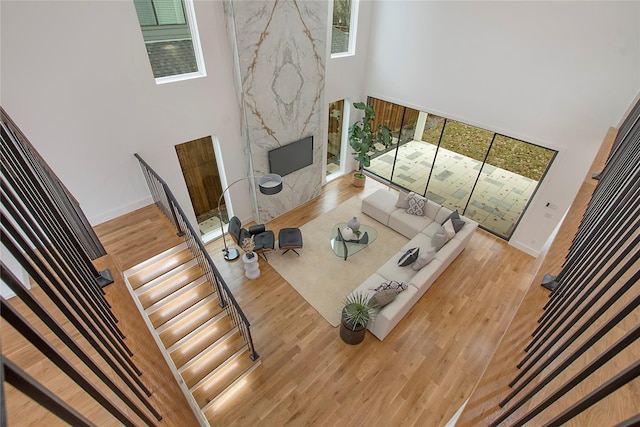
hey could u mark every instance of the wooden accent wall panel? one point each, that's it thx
(201, 173)
(392, 115)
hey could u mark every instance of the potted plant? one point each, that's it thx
(358, 309)
(362, 138)
(250, 259)
(248, 245)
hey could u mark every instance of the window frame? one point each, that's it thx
(353, 30)
(190, 16)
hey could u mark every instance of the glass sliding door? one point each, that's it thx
(457, 165)
(507, 182)
(486, 176)
(402, 122)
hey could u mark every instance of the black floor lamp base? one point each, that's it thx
(231, 254)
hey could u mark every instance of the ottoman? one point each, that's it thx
(290, 239)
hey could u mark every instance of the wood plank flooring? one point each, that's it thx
(419, 375)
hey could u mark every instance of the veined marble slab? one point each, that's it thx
(281, 48)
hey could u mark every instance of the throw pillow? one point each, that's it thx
(408, 257)
(416, 204)
(448, 228)
(384, 297)
(455, 219)
(439, 239)
(403, 201)
(391, 284)
(424, 258)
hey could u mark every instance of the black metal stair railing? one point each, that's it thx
(47, 235)
(167, 203)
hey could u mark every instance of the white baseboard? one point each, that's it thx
(106, 216)
(525, 249)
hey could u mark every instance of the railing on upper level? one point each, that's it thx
(166, 201)
(47, 237)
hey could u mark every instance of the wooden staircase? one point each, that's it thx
(203, 347)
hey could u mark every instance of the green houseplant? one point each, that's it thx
(362, 138)
(358, 309)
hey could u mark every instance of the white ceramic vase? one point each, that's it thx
(251, 266)
(347, 233)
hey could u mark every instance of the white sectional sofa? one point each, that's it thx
(382, 206)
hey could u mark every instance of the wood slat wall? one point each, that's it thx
(201, 174)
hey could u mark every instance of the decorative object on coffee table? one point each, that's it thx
(354, 224)
(344, 247)
(347, 233)
(357, 311)
(250, 259)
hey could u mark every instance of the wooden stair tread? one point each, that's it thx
(190, 322)
(159, 268)
(198, 343)
(212, 360)
(180, 304)
(214, 386)
(169, 286)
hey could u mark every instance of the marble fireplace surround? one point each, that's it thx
(280, 54)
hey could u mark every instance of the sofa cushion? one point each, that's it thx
(455, 220)
(390, 270)
(387, 318)
(449, 251)
(403, 201)
(449, 228)
(424, 258)
(407, 225)
(416, 204)
(431, 209)
(431, 229)
(439, 239)
(379, 205)
(391, 284)
(424, 278)
(443, 214)
(409, 257)
(385, 296)
(420, 241)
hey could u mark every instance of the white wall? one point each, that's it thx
(345, 76)
(76, 79)
(557, 74)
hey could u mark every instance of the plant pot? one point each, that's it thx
(348, 334)
(357, 179)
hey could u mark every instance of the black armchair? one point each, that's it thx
(263, 239)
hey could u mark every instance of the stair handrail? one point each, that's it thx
(168, 204)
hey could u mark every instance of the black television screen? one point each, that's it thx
(291, 157)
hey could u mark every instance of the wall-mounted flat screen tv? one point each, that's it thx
(291, 157)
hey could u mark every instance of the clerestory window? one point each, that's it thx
(343, 27)
(171, 38)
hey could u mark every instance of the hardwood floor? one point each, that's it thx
(419, 375)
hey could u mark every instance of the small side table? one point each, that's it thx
(251, 266)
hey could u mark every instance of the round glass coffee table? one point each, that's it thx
(346, 248)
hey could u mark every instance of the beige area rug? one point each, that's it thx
(325, 279)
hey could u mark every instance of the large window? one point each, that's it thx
(171, 39)
(486, 176)
(343, 27)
